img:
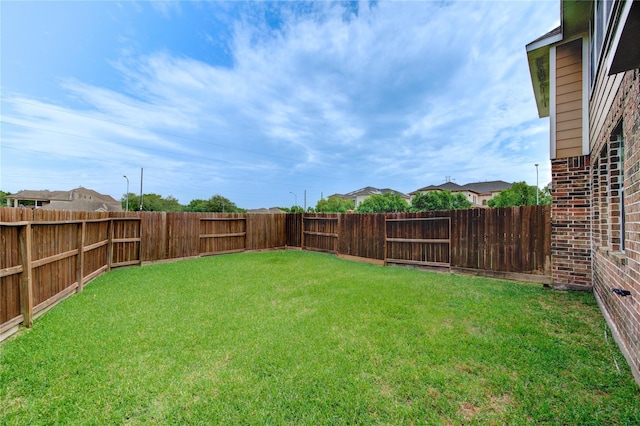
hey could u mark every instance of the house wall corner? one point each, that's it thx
(571, 223)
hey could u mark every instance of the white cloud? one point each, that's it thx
(400, 96)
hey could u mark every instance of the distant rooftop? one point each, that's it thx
(368, 190)
(78, 199)
(481, 188)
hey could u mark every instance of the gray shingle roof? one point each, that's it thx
(487, 187)
(78, 199)
(368, 190)
(477, 187)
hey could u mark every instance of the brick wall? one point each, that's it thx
(615, 155)
(571, 223)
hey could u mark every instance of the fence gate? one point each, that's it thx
(222, 235)
(126, 241)
(418, 241)
(320, 233)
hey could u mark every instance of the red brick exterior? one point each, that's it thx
(571, 223)
(616, 254)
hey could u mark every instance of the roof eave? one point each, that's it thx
(574, 20)
(539, 68)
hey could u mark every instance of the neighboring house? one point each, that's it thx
(478, 193)
(263, 210)
(586, 79)
(358, 196)
(79, 199)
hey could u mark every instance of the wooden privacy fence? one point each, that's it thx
(507, 242)
(58, 257)
(48, 255)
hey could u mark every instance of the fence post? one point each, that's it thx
(384, 242)
(26, 282)
(110, 231)
(140, 235)
(302, 231)
(336, 246)
(80, 258)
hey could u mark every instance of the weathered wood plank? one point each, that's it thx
(12, 270)
(213, 253)
(324, 234)
(54, 258)
(26, 280)
(94, 246)
(126, 240)
(419, 240)
(126, 263)
(233, 234)
(222, 219)
(418, 262)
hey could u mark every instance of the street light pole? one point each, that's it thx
(537, 186)
(295, 197)
(127, 209)
(141, 176)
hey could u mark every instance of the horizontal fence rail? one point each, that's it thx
(420, 241)
(48, 255)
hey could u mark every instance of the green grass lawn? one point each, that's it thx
(292, 337)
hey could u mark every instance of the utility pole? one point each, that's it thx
(141, 176)
(127, 208)
(537, 187)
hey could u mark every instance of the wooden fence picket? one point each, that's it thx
(47, 255)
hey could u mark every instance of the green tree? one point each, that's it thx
(152, 203)
(197, 205)
(216, 203)
(171, 204)
(3, 198)
(545, 195)
(334, 205)
(383, 203)
(520, 194)
(134, 202)
(439, 200)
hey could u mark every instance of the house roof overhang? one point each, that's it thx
(539, 68)
(574, 20)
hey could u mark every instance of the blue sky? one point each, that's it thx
(262, 101)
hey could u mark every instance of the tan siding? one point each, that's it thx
(573, 134)
(569, 99)
(565, 50)
(568, 125)
(568, 143)
(569, 70)
(569, 106)
(573, 116)
(568, 79)
(575, 86)
(575, 95)
(565, 62)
